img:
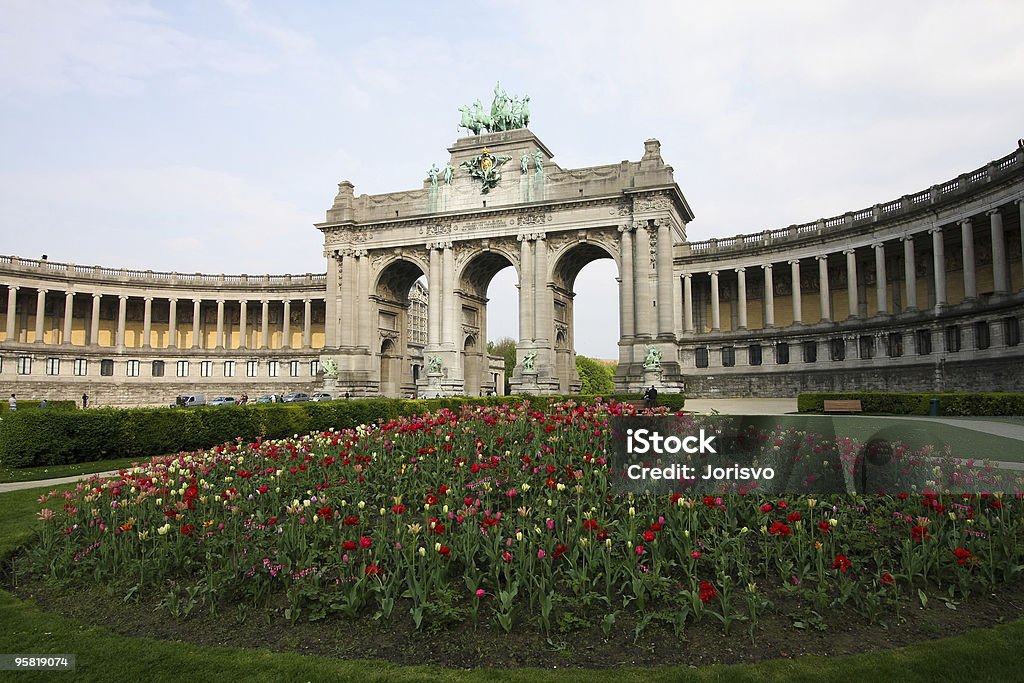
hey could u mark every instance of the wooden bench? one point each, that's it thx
(842, 406)
(636, 403)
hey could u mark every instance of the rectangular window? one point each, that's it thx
(252, 368)
(782, 353)
(53, 366)
(229, 368)
(24, 365)
(206, 368)
(754, 354)
(837, 349)
(1011, 331)
(728, 356)
(894, 344)
(810, 351)
(158, 368)
(133, 368)
(867, 346)
(294, 367)
(107, 367)
(182, 368)
(924, 342)
(272, 368)
(952, 338)
(80, 367)
(700, 356)
(314, 368)
(981, 334)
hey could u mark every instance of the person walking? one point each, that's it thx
(13, 402)
(85, 401)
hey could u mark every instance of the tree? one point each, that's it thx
(506, 348)
(596, 377)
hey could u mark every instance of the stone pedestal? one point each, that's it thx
(331, 386)
(652, 377)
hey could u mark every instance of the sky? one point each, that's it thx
(209, 136)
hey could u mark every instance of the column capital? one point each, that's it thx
(741, 269)
(265, 302)
(713, 273)
(687, 276)
(907, 238)
(197, 301)
(1018, 202)
(96, 295)
(220, 301)
(849, 251)
(173, 300)
(993, 212)
(243, 302)
(69, 292)
(43, 290)
(122, 297)
(935, 231)
(878, 245)
(821, 257)
(967, 221)
(793, 262)
(625, 227)
(307, 300)
(767, 266)
(148, 298)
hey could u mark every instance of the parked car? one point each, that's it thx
(321, 396)
(295, 397)
(223, 401)
(189, 401)
(269, 398)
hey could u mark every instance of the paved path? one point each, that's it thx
(48, 483)
(741, 406)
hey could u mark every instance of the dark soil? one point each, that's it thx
(580, 642)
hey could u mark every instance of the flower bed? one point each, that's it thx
(505, 516)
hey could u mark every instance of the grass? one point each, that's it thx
(102, 655)
(18, 474)
(916, 431)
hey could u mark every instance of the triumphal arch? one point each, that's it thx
(501, 201)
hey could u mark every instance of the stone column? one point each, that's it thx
(348, 307)
(798, 312)
(769, 295)
(331, 302)
(999, 272)
(688, 302)
(40, 314)
(880, 283)
(909, 272)
(642, 282)
(939, 262)
(69, 306)
(147, 322)
(172, 324)
(12, 309)
(94, 325)
(243, 324)
(741, 280)
(526, 282)
(824, 295)
(853, 304)
(307, 324)
(664, 278)
(448, 298)
(970, 273)
(542, 326)
(122, 315)
(627, 325)
(434, 299)
(286, 326)
(367, 326)
(264, 324)
(219, 343)
(195, 322)
(1020, 205)
(716, 313)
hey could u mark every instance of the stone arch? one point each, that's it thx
(400, 348)
(567, 264)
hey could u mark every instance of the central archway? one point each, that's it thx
(482, 375)
(401, 317)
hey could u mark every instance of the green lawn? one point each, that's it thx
(985, 654)
(11, 474)
(916, 431)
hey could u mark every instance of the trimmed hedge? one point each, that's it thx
(973, 403)
(44, 437)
